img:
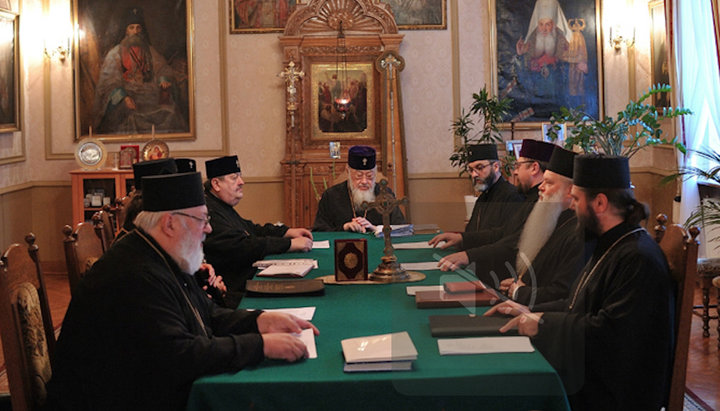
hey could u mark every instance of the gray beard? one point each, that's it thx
(545, 44)
(190, 256)
(537, 230)
(359, 196)
(482, 186)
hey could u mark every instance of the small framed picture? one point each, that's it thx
(513, 147)
(129, 155)
(560, 140)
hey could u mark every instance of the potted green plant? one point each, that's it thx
(633, 129)
(707, 213)
(488, 111)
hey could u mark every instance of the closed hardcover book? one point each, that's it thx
(284, 287)
(442, 299)
(468, 325)
(379, 348)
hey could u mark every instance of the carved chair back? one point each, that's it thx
(681, 249)
(26, 327)
(83, 247)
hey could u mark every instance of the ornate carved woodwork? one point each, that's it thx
(311, 56)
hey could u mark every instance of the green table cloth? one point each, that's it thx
(517, 381)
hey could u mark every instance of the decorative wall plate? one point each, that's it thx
(155, 150)
(90, 154)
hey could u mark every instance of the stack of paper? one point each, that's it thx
(385, 352)
(396, 230)
(286, 270)
(290, 261)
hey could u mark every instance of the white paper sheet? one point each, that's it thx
(289, 261)
(431, 265)
(484, 345)
(307, 337)
(415, 246)
(412, 289)
(306, 313)
(321, 244)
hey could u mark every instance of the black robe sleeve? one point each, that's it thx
(493, 215)
(235, 243)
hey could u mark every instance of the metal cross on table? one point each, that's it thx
(385, 202)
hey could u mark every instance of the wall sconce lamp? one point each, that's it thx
(58, 38)
(621, 36)
(59, 51)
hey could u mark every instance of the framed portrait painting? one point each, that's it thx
(419, 14)
(260, 16)
(9, 72)
(546, 55)
(659, 71)
(133, 70)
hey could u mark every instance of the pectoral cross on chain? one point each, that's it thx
(385, 202)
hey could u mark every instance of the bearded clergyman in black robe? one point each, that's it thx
(551, 250)
(139, 330)
(494, 207)
(611, 340)
(488, 248)
(341, 206)
(235, 242)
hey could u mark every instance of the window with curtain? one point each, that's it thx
(698, 78)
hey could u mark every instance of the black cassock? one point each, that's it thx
(335, 209)
(131, 338)
(557, 264)
(235, 243)
(493, 211)
(613, 347)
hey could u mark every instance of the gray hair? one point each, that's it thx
(147, 220)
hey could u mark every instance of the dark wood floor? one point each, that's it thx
(703, 377)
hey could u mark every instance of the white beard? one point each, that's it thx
(190, 255)
(537, 229)
(358, 196)
(545, 44)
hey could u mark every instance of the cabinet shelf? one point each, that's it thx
(111, 183)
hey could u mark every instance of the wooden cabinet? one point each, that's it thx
(103, 186)
(363, 35)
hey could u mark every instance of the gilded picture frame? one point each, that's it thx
(568, 74)
(328, 122)
(659, 56)
(133, 70)
(252, 16)
(10, 102)
(419, 14)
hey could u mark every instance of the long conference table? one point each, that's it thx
(510, 381)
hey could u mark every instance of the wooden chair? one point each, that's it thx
(681, 252)
(105, 225)
(716, 284)
(28, 339)
(121, 209)
(82, 247)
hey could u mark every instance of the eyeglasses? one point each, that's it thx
(205, 221)
(479, 169)
(518, 163)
